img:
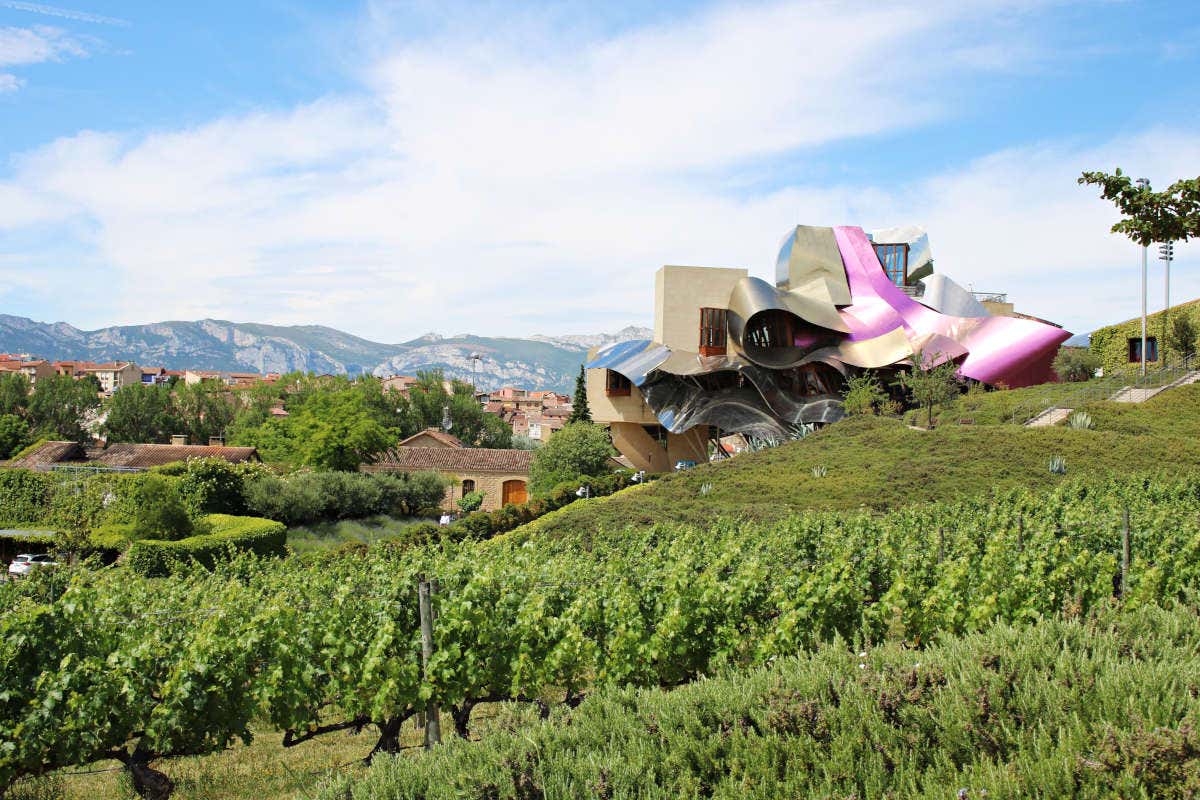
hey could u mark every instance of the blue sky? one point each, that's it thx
(514, 169)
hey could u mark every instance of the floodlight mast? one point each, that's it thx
(1166, 254)
(1144, 185)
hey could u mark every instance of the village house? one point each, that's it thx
(152, 376)
(31, 369)
(114, 375)
(502, 475)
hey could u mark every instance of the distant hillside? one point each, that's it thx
(219, 344)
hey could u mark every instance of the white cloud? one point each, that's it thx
(508, 184)
(64, 13)
(23, 46)
(9, 82)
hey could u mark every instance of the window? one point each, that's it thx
(1135, 349)
(616, 384)
(894, 260)
(468, 487)
(712, 331)
(771, 330)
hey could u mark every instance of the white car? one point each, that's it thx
(25, 563)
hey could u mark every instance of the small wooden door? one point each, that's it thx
(514, 492)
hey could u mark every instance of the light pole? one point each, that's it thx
(1166, 253)
(1144, 185)
(447, 423)
(475, 357)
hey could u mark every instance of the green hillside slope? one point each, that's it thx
(878, 464)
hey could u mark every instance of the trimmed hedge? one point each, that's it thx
(249, 534)
(305, 497)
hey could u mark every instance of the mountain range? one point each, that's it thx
(548, 362)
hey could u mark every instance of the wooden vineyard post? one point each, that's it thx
(941, 544)
(433, 727)
(1125, 553)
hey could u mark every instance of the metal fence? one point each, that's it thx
(1109, 387)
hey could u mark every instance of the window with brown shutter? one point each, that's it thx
(712, 331)
(617, 385)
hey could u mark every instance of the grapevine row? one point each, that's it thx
(100, 664)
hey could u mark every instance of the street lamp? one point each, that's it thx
(1144, 185)
(447, 423)
(475, 358)
(1166, 254)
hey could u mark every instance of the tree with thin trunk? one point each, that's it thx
(928, 386)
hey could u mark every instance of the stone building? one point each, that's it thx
(502, 475)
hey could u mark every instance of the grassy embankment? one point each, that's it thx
(998, 408)
(1105, 707)
(881, 464)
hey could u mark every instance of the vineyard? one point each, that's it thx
(1056, 709)
(104, 665)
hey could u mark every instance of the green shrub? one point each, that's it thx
(114, 536)
(24, 496)
(1075, 364)
(282, 499)
(864, 395)
(471, 501)
(227, 534)
(159, 512)
(213, 485)
(306, 497)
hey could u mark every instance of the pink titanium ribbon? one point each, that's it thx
(1016, 352)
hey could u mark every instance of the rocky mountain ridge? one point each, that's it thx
(536, 362)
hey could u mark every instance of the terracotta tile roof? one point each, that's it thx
(446, 439)
(106, 367)
(136, 456)
(50, 453)
(455, 459)
(155, 455)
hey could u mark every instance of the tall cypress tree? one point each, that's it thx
(579, 406)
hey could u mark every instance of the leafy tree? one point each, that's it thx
(471, 501)
(331, 430)
(864, 395)
(58, 406)
(580, 448)
(202, 410)
(141, 413)
(580, 412)
(14, 435)
(1172, 215)
(524, 443)
(14, 393)
(929, 386)
(1075, 364)
(1181, 337)
(159, 511)
(428, 401)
